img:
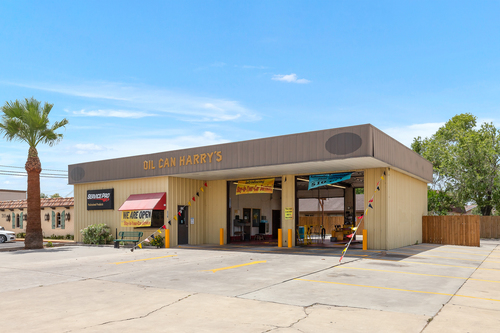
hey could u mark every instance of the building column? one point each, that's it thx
(287, 203)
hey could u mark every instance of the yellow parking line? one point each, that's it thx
(397, 289)
(483, 254)
(235, 266)
(126, 262)
(410, 273)
(428, 263)
(427, 255)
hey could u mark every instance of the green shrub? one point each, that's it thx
(49, 244)
(97, 234)
(56, 237)
(21, 235)
(70, 237)
(157, 241)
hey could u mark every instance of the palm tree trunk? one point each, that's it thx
(34, 236)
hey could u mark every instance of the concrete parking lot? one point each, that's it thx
(421, 288)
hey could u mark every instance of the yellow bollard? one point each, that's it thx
(221, 236)
(167, 238)
(289, 237)
(280, 238)
(365, 240)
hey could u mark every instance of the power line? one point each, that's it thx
(41, 174)
(16, 167)
(25, 174)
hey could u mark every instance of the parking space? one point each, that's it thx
(411, 284)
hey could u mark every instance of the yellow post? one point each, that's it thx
(365, 240)
(280, 238)
(289, 237)
(167, 238)
(221, 236)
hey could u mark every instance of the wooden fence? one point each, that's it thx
(329, 223)
(451, 230)
(490, 226)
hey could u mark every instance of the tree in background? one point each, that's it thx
(55, 195)
(28, 121)
(43, 196)
(439, 202)
(466, 161)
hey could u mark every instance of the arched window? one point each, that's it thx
(18, 224)
(58, 220)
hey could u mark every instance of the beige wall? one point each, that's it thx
(122, 190)
(288, 201)
(407, 203)
(216, 211)
(394, 221)
(208, 209)
(47, 230)
(376, 218)
(396, 217)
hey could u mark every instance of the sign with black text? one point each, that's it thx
(100, 199)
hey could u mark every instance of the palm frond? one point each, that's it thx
(29, 121)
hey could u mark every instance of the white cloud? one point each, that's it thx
(291, 78)
(113, 113)
(128, 99)
(218, 64)
(84, 148)
(406, 134)
(254, 67)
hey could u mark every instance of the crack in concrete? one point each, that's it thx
(138, 317)
(306, 315)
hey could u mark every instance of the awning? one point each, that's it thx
(147, 201)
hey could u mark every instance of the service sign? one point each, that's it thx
(255, 186)
(136, 218)
(100, 199)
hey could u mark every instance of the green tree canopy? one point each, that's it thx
(466, 161)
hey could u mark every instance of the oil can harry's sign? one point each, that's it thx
(100, 199)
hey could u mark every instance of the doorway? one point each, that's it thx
(183, 226)
(276, 222)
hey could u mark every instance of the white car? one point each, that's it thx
(6, 236)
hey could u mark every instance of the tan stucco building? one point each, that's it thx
(56, 214)
(210, 176)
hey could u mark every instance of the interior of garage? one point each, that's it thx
(324, 216)
(327, 214)
(254, 217)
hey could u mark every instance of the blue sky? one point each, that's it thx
(135, 77)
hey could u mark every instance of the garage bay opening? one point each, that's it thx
(327, 213)
(254, 211)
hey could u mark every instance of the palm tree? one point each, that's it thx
(28, 121)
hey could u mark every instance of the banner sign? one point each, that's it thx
(255, 186)
(100, 199)
(321, 180)
(136, 218)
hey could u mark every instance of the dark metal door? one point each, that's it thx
(183, 225)
(276, 223)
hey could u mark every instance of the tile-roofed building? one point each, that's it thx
(48, 202)
(56, 215)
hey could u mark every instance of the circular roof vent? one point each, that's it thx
(343, 143)
(77, 174)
